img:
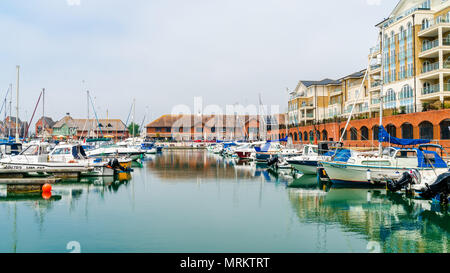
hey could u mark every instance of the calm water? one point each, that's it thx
(192, 201)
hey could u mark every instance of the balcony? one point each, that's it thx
(430, 45)
(434, 88)
(432, 28)
(307, 105)
(430, 67)
(375, 50)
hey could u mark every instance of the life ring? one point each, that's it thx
(72, 161)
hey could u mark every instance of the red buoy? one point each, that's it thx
(46, 195)
(47, 188)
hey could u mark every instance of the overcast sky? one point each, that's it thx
(165, 52)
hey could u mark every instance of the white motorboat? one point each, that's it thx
(392, 163)
(66, 156)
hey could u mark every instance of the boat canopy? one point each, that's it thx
(383, 136)
(279, 140)
(428, 159)
(340, 155)
(98, 139)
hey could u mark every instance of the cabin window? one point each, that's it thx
(406, 154)
(376, 163)
(62, 151)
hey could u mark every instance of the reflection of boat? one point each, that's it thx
(305, 181)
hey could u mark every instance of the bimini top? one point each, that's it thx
(384, 136)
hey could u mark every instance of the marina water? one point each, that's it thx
(194, 201)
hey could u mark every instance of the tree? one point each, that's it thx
(136, 129)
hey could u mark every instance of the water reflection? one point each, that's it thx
(396, 223)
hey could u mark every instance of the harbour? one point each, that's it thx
(241, 127)
(207, 203)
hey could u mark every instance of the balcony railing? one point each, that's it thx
(433, 22)
(430, 67)
(446, 41)
(375, 101)
(375, 66)
(375, 49)
(309, 115)
(430, 45)
(375, 84)
(307, 105)
(446, 86)
(434, 88)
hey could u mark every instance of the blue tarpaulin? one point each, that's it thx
(383, 136)
(279, 140)
(342, 155)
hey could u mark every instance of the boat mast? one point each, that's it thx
(10, 109)
(134, 114)
(43, 113)
(17, 105)
(88, 130)
(380, 147)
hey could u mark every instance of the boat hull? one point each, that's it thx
(304, 166)
(341, 173)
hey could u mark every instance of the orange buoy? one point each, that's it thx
(46, 195)
(47, 188)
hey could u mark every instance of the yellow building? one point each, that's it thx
(409, 68)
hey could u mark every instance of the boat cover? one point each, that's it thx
(383, 136)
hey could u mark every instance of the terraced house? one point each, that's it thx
(408, 72)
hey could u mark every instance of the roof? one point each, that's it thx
(322, 82)
(48, 121)
(166, 121)
(91, 124)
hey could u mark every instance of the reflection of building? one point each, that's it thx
(408, 73)
(179, 166)
(77, 128)
(396, 225)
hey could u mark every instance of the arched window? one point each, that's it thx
(375, 130)
(311, 136)
(295, 137)
(426, 130)
(353, 133)
(426, 88)
(364, 133)
(324, 135)
(290, 135)
(305, 136)
(318, 135)
(445, 129)
(390, 99)
(425, 23)
(300, 136)
(345, 134)
(407, 131)
(392, 130)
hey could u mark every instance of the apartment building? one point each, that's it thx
(408, 73)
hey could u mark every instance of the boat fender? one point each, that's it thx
(369, 175)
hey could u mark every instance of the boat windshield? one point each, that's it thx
(31, 150)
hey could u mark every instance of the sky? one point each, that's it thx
(163, 53)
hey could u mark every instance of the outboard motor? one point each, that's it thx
(272, 161)
(408, 178)
(114, 164)
(440, 187)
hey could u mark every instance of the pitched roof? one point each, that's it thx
(91, 124)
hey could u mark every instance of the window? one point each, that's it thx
(324, 135)
(345, 134)
(364, 133)
(353, 134)
(392, 130)
(445, 129)
(305, 136)
(295, 137)
(407, 131)
(375, 131)
(426, 130)
(425, 23)
(390, 99)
